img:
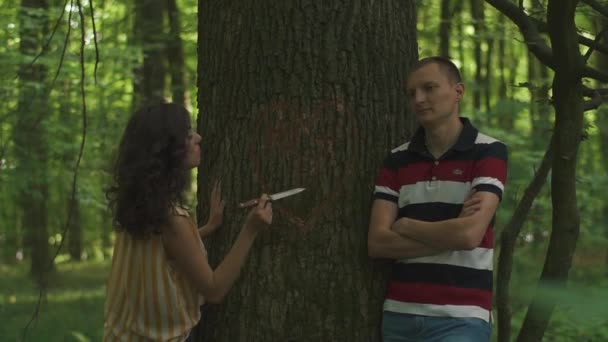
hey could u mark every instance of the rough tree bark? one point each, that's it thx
(301, 94)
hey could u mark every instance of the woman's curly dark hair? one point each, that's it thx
(149, 173)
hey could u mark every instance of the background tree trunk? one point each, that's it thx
(568, 102)
(149, 33)
(449, 9)
(175, 54)
(30, 137)
(74, 228)
(301, 94)
(445, 26)
(477, 15)
(74, 231)
(602, 123)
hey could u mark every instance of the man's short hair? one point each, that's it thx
(445, 64)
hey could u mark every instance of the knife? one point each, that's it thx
(273, 197)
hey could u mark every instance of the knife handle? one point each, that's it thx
(249, 203)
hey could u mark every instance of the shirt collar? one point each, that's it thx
(466, 139)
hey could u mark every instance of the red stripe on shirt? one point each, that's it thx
(444, 170)
(425, 293)
(488, 238)
(387, 177)
(491, 167)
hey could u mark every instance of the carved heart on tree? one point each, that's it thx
(314, 146)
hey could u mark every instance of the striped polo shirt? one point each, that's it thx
(147, 299)
(454, 283)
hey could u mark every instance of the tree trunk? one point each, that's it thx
(478, 23)
(175, 54)
(567, 96)
(489, 67)
(74, 229)
(602, 123)
(507, 120)
(461, 36)
(31, 149)
(502, 93)
(10, 231)
(149, 33)
(508, 239)
(449, 10)
(540, 122)
(445, 26)
(301, 94)
(106, 224)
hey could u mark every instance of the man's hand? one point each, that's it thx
(471, 205)
(384, 242)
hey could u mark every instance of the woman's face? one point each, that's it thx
(193, 150)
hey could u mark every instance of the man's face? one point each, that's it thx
(432, 96)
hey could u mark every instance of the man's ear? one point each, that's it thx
(459, 90)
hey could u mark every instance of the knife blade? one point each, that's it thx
(273, 197)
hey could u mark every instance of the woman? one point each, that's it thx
(160, 274)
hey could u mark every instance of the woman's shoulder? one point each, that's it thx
(179, 210)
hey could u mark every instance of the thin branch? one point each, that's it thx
(596, 45)
(600, 8)
(40, 53)
(592, 43)
(594, 103)
(533, 39)
(48, 41)
(588, 92)
(528, 29)
(61, 58)
(65, 47)
(594, 74)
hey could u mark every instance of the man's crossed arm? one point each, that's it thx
(408, 238)
(462, 233)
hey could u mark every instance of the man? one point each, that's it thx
(433, 212)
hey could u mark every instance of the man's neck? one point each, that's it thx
(440, 138)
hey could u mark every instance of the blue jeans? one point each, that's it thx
(398, 327)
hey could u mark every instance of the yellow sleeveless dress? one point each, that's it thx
(147, 299)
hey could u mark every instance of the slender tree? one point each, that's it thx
(30, 135)
(568, 100)
(477, 14)
(175, 55)
(602, 123)
(449, 9)
(74, 232)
